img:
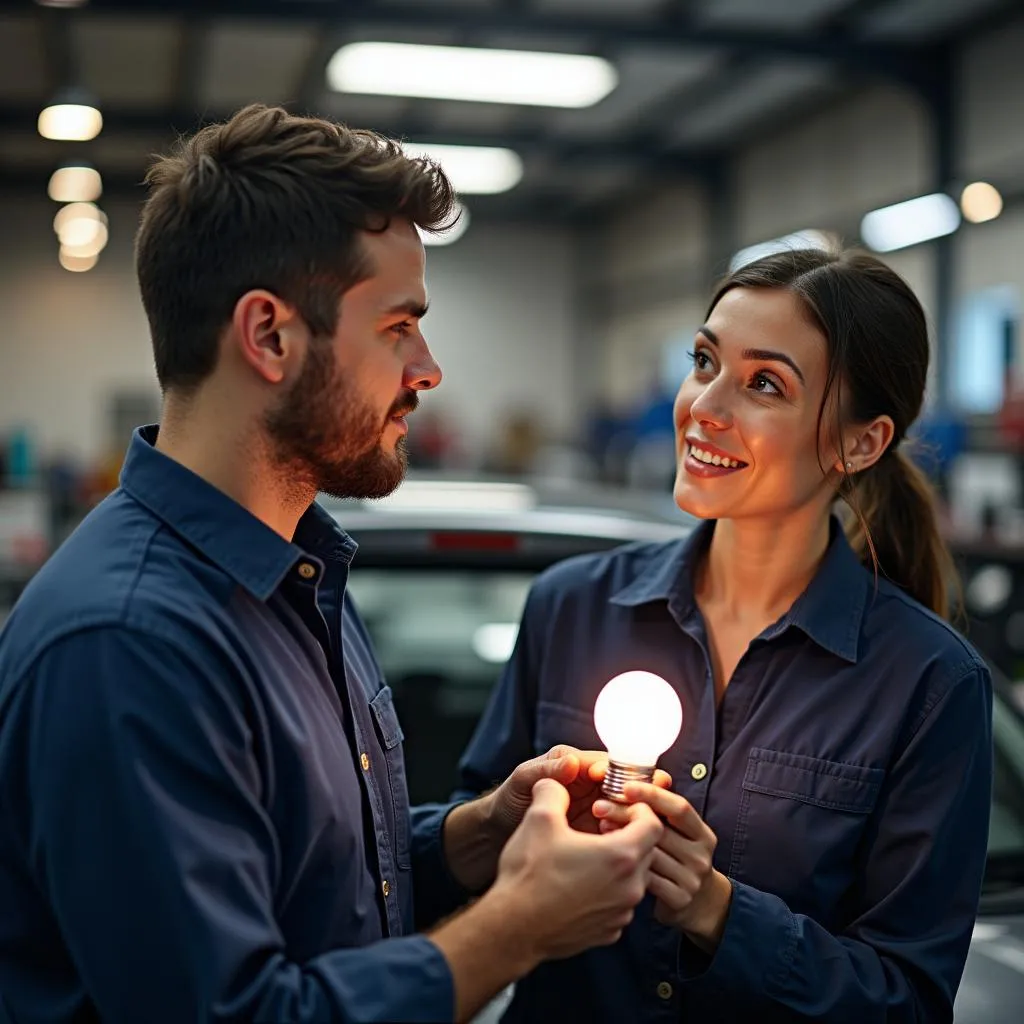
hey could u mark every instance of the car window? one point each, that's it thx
(442, 637)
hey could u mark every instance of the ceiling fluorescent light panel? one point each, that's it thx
(473, 74)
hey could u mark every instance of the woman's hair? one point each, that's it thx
(877, 365)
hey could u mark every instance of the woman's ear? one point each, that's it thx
(867, 443)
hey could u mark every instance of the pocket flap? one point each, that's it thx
(387, 720)
(559, 723)
(832, 784)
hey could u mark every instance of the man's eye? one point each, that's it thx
(403, 328)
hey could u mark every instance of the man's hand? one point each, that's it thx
(581, 772)
(575, 890)
(558, 892)
(691, 895)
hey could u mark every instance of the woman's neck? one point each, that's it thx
(757, 568)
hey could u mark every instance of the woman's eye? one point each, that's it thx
(701, 360)
(763, 383)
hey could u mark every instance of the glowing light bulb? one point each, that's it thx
(638, 717)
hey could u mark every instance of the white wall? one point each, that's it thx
(501, 325)
(991, 114)
(828, 171)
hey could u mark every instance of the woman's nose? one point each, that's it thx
(712, 406)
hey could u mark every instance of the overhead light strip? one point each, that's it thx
(467, 73)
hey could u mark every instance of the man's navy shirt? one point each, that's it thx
(203, 809)
(846, 773)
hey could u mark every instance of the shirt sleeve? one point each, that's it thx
(901, 958)
(437, 892)
(147, 834)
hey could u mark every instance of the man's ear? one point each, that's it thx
(269, 335)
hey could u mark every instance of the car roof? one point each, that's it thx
(428, 503)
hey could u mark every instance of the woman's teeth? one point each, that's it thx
(713, 460)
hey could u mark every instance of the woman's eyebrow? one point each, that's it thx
(757, 354)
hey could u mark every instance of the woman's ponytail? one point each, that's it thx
(894, 530)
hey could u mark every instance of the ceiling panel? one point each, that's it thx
(20, 148)
(371, 31)
(247, 61)
(23, 74)
(645, 77)
(751, 97)
(128, 62)
(463, 118)
(916, 19)
(793, 15)
(129, 153)
(602, 8)
(362, 111)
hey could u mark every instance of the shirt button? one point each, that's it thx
(365, 762)
(306, 570)
(699, 771)
(386, 887)
(664, 990)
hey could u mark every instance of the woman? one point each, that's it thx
(832, 780)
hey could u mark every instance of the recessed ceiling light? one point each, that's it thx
(809, 239)
(910, 223)
(479, 170)
(70, 122)
(451, 234)
(75, 183)
(466, 73)
(75, 263)
(980, 202)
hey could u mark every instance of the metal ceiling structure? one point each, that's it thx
(697, 79)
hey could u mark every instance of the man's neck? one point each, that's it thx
(758, 568)
(233, 456)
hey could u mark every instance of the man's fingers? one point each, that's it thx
(549, 796)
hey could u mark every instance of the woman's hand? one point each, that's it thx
(580, 771)
(691, 895)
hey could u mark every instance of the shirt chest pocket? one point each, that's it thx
(390, 734)
(559, 723)
(798, 827)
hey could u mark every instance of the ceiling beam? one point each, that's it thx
(642, 149)
(601, 32)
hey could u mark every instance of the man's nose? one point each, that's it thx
(422, 372)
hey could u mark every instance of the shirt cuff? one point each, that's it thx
(406, 979)
(755, 953)
(436, 891)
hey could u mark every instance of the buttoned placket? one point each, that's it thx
(373, 774)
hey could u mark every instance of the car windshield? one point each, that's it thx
(442, 635)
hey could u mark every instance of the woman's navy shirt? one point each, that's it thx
(846, 773)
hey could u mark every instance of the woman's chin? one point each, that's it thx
(693, 503)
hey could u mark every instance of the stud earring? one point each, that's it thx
(849, 467)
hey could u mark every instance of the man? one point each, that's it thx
(203, 813)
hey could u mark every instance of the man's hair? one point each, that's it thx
(267, 200)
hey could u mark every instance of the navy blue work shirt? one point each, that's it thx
(203, 808)
(846, 774)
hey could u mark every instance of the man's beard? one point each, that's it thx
(325, 434)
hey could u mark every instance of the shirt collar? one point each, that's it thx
(830, 611)
(231, 537)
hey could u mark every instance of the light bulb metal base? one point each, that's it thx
(619, 774)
